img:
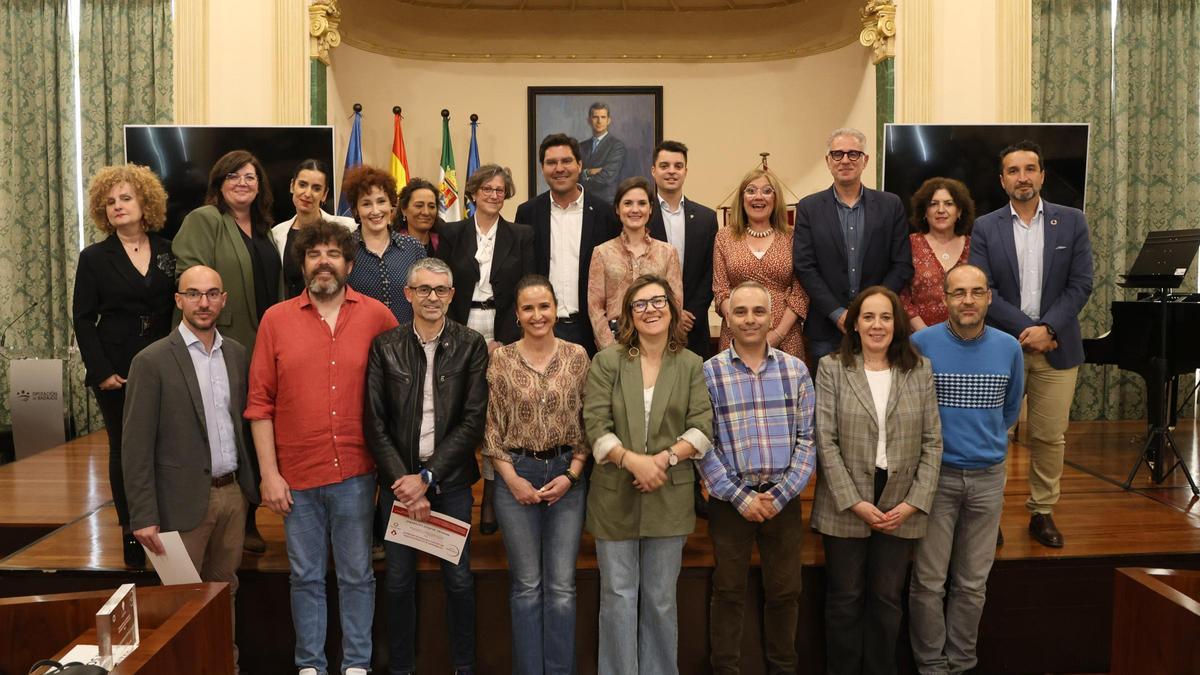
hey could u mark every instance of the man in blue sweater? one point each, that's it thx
(979, 375)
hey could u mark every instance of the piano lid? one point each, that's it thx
(1164, 259)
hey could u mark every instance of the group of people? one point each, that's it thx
(330, 369)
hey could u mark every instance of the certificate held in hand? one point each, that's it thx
(440, 535)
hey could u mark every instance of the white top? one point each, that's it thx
(279, 232)
(1030, 240)
(758, 254)
(426, 442)
(647, 399)
(566, 236)
(485, 247)
(880, 382)
(674, 223)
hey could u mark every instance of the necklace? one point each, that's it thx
(140, 242)
(760, 234)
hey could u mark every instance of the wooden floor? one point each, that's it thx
(68, 487)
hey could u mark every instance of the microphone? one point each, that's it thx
(4, 333)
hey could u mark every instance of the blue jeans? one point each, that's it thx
(401, 586)
(542, 544)
(639, 632)
(337, 514)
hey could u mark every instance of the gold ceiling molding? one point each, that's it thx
(879, 29)
(786, 30)
(324, 18)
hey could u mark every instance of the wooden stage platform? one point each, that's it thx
(1049, 610)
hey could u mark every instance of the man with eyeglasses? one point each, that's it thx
(847, 238)
(306, 415)
(1038, 259)
(186, 462)
(425, 411)
(979, 376)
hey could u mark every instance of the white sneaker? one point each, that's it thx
(308, 671)
(356, 671)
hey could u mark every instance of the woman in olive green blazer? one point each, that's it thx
(640, 504)
(231, 234)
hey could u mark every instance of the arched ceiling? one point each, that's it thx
(600, 30)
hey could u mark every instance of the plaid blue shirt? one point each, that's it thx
(762, 428)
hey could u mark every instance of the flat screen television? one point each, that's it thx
(182, 156)
(971, 153)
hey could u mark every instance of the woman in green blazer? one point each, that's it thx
(231, 233)
(647, 415)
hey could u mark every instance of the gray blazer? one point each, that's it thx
(164, 448)
(847, 433)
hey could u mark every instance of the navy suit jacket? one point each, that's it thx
(700, 231)
(1066, 276)
(610, 159)
(819, 254)
(599, 225)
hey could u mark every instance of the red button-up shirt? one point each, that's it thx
(310, 382)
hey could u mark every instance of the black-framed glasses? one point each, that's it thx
(657, 302)
(493, 191)
(425, 291)
(853, 155)
(193, 295)
(960, 294)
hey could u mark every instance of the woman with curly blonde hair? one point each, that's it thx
(124, 296)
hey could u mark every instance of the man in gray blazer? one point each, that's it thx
(603, 155)
(184, 454)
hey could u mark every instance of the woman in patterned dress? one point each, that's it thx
(942, 215)
(757, 246)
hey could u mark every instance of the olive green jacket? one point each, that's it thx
(614, 412)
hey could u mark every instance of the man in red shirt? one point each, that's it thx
(305, 410)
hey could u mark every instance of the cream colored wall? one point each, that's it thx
(725, 113)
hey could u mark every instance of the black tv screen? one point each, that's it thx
(971, 154)
(183, 155)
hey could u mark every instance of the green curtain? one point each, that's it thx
(1140, 95)
(37, 189)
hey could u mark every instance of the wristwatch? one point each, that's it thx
(672, 458)
(427, 477)
(1050, 330)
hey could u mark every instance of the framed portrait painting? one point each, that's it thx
(617, 129)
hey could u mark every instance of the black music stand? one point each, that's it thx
(1162, 264)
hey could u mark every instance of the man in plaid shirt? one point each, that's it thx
(762, 458)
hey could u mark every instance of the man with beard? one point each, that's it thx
(978, 373)
(305, 410)
(426, 406)
(193, 370)
(1038, 259)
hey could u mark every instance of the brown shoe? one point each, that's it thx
(1041, 526)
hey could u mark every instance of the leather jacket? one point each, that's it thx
(396, 370)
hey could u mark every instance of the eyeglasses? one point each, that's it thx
(425, 291)
(853, 155)
(960, 294)
(247, 178)
(754, 192)
(494, 191)
(193, 295)
(657, 302)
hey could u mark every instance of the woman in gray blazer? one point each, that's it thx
(879, 447)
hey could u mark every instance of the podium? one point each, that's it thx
(184, 629)
(1156, 620)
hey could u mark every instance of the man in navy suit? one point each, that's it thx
(1038, 259)
(603, 155)
(567, 224)
(691, 228)
(847, 238)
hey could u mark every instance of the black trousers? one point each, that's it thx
(112, 407)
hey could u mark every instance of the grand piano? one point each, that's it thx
(1155, 337)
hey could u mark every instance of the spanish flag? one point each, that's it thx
(399, 156)
(449, 204)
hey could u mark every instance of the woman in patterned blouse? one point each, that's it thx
(384, 255)
(617, 262)
(942, 215)
(757, 246)
(534, 438)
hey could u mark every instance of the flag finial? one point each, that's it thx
(445, 113)
(357, 107)
(474, 117)
(395, 110)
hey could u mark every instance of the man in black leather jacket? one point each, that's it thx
(426, 404)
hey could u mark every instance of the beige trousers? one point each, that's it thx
(215, 545)
(1050, 392)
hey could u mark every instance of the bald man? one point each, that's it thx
(186, 461)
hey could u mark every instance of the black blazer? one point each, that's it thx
(115, 312)
(700, 231)
(511, 260)
(819, 254)
(599, 225)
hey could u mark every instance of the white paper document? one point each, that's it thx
(440, 535)
(176, 566)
